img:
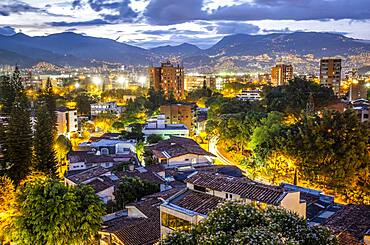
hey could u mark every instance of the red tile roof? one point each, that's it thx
(244, 187)
(350, 223)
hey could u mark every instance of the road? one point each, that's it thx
(213, 149)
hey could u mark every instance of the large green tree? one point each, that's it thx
(44, 157)
(50, 100)
(51, 213)
(10, 88)
(232, 224)
(18, 141)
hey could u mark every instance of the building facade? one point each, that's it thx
(159, 126)
(358, 90)
(193, 82)
(179, 114)
(107, 107)
(281, 74)
(67, 122)
(331, 73)
(168, 78)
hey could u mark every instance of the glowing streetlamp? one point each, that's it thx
(122, 81)
(77, 85)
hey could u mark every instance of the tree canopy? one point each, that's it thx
(233, 223)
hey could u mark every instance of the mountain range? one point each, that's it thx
(73, 49)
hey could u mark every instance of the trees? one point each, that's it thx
(62, 146)
(18, 140)
(49, 99)
(7, 208)
(132, 189)
(10, 88)
(332, 149)
(233, 223)
(51, 213)
(293, 98)
(44, 153)
(154, 138)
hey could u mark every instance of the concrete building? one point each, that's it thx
(193, 82)
(107, 107)
(251, 95)
(331, 73)
(358, 90)
(361, 106)
(281, 74)
(66, 121)
(168, 78)
(159, 126)
(179, 114)
(205, 191)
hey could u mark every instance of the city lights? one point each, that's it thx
(77, 85)
(97, 81)
(142, 81)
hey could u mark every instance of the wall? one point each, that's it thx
(191, 159)
(292, 203)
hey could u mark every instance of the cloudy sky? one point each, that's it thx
(149, 23)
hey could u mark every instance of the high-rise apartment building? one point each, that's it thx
(281, 74)
(358, 90)
(331, 73)
(167, 78)
(179, 114)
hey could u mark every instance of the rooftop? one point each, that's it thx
(88, 174)
(177, 146)
(197, 202)
(102, 183)
(90, 157)
(350, 223)
(244, 187)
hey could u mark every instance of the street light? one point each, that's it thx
(77, 85)
(142, 81)
(122, 81)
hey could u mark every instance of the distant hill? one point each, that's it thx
(182, 50)
(77, 50)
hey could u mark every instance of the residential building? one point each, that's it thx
(168, 78)
(331, 73)
(351, 224)
(106, 107)
(139, 225)
(67, 122)
(362, 108)
(102, 180)
(281, 74)
(205, 191)
(104, 146)
(179, 151)
(250, 95)
(179, 114)
(193, 82)
(358, 90)
(158, 126)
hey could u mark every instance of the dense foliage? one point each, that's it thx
(51, 213)
(132, 189)
(233, 223)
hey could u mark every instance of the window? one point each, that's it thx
(104, 151)
(229, 196)
(200, 188)
(175, 223)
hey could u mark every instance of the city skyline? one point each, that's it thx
(200, 22)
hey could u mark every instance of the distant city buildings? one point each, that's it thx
(168, 78)
(358, 90)
(107, 107)
(193, 82)
(281, 74)
(250, 95)
(331, 73)
(67, 122)
(158, 126)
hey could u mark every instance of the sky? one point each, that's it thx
(149, 23)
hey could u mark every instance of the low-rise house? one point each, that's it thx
(361, 106)
(206, 190)
(102, 180)
(351, 224)
(106, 107)
(178, 151)
(81, 160)
(158, 126)
(140, 225)
(110, 146)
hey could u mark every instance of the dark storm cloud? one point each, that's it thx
(166, 12)
(121, 10)
(95, 22)
(7, 31)
(8, 8)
